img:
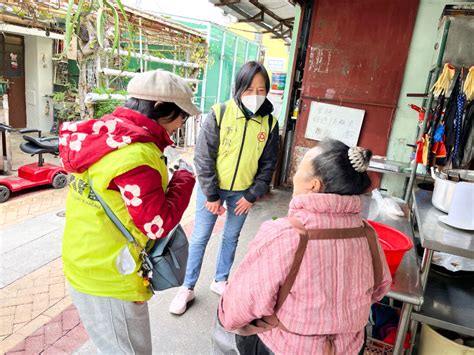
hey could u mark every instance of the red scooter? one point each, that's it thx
(35, 174)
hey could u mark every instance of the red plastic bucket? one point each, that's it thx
(394, 244)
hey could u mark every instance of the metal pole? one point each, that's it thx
(220, 69)
(204, 79)
(145, 61)
(425, 267)
(247, 51)
(413, 331)
(5, 138)
(234, 62)
(286, 156)
(439, 62)
(174, 58)
(186, 70)
(141, 44)
(402, 328)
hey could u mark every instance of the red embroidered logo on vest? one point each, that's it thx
(261, 136)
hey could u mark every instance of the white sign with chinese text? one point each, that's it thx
(332, 121)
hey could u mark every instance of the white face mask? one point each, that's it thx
(253, 102)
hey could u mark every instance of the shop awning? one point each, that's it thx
(273, 16)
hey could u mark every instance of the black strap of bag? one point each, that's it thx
(114, 218)
(147, 266)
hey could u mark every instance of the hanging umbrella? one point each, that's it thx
(461, 99)
(438, 112)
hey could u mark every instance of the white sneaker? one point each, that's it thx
(180, 301)
(218, 287)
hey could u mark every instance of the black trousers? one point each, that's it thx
(252, 345)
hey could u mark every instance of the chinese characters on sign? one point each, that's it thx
(332, 121)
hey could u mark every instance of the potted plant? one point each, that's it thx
(59, 99)
(104, 107)
(65, 107)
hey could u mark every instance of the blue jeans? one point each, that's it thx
(203, 226)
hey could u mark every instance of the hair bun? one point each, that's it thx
(359, 158)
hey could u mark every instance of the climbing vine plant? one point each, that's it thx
(104, 29)
(95, 15)
(98, 25)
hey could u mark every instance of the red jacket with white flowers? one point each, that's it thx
(84, 143)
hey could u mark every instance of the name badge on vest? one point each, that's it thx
(261, 136)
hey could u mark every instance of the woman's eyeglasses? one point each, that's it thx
(184, 116)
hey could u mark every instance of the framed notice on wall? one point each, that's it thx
(332, 121)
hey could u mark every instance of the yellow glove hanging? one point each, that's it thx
(469, 84)
(442, 84)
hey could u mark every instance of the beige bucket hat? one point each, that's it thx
(161, 85)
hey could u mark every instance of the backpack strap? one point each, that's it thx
(325, 234)
(295, 267)
(222, 108)
(272, 321)
(270, 123)
(374, 251)
(336, 233)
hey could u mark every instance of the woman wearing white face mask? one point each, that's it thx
(235, 157)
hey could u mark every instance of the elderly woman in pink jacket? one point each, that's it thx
(330, 298)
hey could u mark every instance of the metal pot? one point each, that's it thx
(442, 193)
(459, 175)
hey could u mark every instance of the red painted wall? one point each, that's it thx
(356, 58)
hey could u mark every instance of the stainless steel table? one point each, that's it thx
(406, 285)
(384, 166)
(436, 235)
(447, 301)
(448, 304)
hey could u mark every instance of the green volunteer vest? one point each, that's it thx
(241, 145)
(91, 241)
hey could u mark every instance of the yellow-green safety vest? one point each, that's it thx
(241, 145)
(91, 241)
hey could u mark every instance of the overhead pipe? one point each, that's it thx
(129, 74)
(151, 58)
(92, 97)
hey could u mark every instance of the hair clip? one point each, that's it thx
(356, 157)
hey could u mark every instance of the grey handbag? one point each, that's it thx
(164, 260)
(167, 258)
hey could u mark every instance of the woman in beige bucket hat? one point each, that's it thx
(122, 155)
